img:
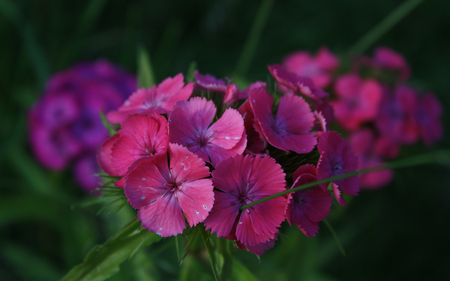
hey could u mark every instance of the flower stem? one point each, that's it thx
(384, 26)
(434, 157)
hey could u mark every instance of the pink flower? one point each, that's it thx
(208, 82)
(317, 68)
(189, 125)
(363, 143)
(387, 58)
(255, 143)
(290, 129)
(307, 207)
(298, 84)
(141, 136)
(358, 100)
(158, 99)
(336, 158)
(257, 249)
(165, 187)
(233, 94)
(240, 180)
(396, 119)
(428, 118)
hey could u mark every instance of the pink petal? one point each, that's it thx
(245, 233)
(228, 130)
(196, 199)
(305, 169)
(147, 181)
(141, 136)
(104, 156)
(186, 166)
(163, 216)
(224, 212)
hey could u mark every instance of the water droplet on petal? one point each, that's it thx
(143, 197)
(197, 212)
(204, 207)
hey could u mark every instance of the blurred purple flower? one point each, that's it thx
(64, 125)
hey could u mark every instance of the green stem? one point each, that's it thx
(435, 157)
(384, 26)
(253, 38)
(212, 255)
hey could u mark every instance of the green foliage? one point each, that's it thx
(104, 260)
(146, 78)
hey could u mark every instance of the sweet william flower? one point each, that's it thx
(336, 158)
(65, 128)
(299, 84)
(428, 118)
(307, 207)
(140, 136)
(158, 99)
(190, 126)
(365, 145)
(358, 100)
(238, 181)
(290, 129)
(166, 188)
(318, 67)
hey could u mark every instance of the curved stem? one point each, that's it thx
(435, 157)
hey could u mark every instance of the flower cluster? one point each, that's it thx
(184, 157)
(65, 126)
(373, 104)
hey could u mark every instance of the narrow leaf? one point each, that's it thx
(146, 77)
(211, 251)
(190, 72)
(111, 130)
(241, 273)
(103, 261)
(338, 242)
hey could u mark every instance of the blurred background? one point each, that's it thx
(398, 232)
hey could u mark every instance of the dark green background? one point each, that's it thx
(397, 233)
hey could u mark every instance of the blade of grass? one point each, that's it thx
(384, 26)
(146, 77)
(336, 238)
(253, 38)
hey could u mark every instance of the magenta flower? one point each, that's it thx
(387, 58)
(363, 143)
(317, 68)
(141, 136)
(208, 82)
(233, 94)
(290, 129)
(307, 207)
(240, 180)
(158, 99)
(428, 118)
(298, 84)
(358, 100)
(255, 143)
(336, 158)
(64, 125)
(258, 249)
(189, 125)
(397, 117)
(167, 187)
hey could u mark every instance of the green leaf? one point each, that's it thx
(241, 273)
(211, 251)
(336, 238)
(103, 261)
(146, 77)
(111, 130)
(384, 26)
(190, 72)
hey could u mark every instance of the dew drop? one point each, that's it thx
(143, 179)
(143, 197)
(240, 222)
(197, 212)
(204, 207)
(127, 103)
(227, 138)
(147, 151)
